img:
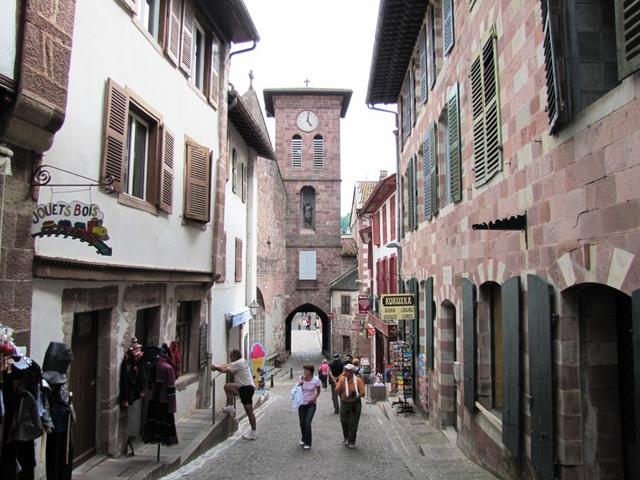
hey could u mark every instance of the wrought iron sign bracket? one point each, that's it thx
(42, 178)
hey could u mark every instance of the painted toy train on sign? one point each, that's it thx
(74, 220)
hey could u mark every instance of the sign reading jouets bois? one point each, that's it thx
(397, 307)
(77, 220)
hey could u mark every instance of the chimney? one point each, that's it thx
(383, 174)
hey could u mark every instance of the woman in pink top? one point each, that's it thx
(323, 372)
(310, 392)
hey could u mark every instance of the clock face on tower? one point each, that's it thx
(307, 121)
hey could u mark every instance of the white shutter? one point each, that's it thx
(307, 265)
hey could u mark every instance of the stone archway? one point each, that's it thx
(324, 319)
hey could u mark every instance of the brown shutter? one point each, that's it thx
(197, 183)
(628, 36)
(214, 68)
(166, 172)
(116, 119)
(172, 39)
(187, 37)
(238, 274)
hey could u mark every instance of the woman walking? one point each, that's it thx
(310, 392)
(350, 388)
(323, 372)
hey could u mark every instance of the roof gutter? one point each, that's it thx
(244, 50)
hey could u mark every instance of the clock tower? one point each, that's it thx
(308, 154)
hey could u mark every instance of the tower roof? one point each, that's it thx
(269, 93)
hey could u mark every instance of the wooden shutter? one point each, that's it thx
(487, 134)
(435, 188)
(406, 110)
(392, 218)
(393, 274)
(448, 34)
(541, 376)
(378, 277)
(422, 49)
(635, 313)
(376, 229)
(385, 224)
(431, 45)
(238, 260)
(116, 120)
(197, 183)
(453, 119)
(409, 183)
(214, 68)
(174, 22)
(554, 64)
(414, 192)
(412, 95)
(628, 36)
(428, 320)
(469, 342)
(245, 184)
(165, 201)
(511, 365)
(187, 36)
(428, 160)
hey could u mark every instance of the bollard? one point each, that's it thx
(213, 401)
(271, 381)
(291, 373)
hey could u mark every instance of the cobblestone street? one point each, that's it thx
(384, 450)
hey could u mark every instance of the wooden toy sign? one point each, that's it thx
(73, 220)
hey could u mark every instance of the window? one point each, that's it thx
(485, 106)
(422, 53)
(245, 186)
(452, 142)
(138, 150)
(185, 317)
(238, 260)
(393, 274)
(490, 351)
(150, 17)
(198, 57)
(307, 265)
(392, 219)
(8, 36)
(448, 33)
(430, 172)
(412, 194)
(384, 224)
(345, 301)
(296, 151)
(376, 228)
(346, 344)
(405, 102)
(234, 170)
(214, 73)
(318, 152)
(198, 182)
(379, 277)
(431, 46)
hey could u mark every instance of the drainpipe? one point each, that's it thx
(244, 50)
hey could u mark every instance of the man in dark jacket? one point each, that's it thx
(335, 370)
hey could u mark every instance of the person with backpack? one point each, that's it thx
(323, 373)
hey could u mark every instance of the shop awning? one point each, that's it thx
(237, 318)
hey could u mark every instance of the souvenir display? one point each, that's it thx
(402, 375)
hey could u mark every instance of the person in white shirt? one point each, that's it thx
(243, 387)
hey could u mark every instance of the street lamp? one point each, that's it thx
(253, 308)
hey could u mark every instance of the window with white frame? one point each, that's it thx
(149, 12)
(8, 44)
(307, 265)
(135, 168)
(198, 57)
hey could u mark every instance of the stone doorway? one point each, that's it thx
(324, 324)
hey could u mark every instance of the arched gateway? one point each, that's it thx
(322, 316)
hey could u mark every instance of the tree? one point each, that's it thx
(345, 228)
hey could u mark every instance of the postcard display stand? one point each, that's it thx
(402, 359)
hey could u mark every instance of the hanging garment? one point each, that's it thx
(160, 425)
(131, 378)
(59, 454)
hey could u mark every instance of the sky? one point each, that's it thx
(328, 42)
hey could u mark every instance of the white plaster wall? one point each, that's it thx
(114, 47)
(7, 37)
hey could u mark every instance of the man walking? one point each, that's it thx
(243, 387)
(351, 389)
(335, 370)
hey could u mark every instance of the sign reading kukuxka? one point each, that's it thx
(397, 307)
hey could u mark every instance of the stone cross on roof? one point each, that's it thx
(307, 82)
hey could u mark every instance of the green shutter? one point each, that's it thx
(628, 36)
(428, 320)
(553, 59)
(422, 49)
(435, 190)
(427, 161)
(415, 289)
(453, 116)
(414, 191)
(477, 110)
(448, 34)
(431, 46)
(541, 376)
(635, 312)
(469, 342)
(511, 365)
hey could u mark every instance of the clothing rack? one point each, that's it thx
(402, 362)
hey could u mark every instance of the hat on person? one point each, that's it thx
(350, 366)
(336, 355)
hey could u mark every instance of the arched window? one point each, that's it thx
(318, 152)
(308, 208)
(296, 151)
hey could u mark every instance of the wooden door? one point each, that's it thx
(83, 383)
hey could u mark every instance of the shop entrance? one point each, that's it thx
(83, 384)
(448, 387)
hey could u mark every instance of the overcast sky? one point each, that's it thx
(330, 43)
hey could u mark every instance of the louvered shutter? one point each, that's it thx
(635, 326)
(214, 68)
(448, 34)
(296, 151)
(392, 218)
(238, 260)
(428, 321)
(431, 44)
(422, 48)
(426, 171)
(187, 37)
(541, 376)
(378, 277)
(511, 365)
(406, 110)
(410, 195)
(174, 22)
(435, 188)
(385, 225)
(165, 201)
(376, 229)
(453, 119)
(414, 195)
(553, 62)
(412, 97)
(116, 120)
(487, 135)
(628, 36)
(245, 184)
(469, 342)
(197, 183)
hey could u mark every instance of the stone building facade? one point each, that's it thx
(308, 152)
(518, 173)
(35, 55)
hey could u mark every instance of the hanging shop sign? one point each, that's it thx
(397, 307)
(363, 304)
(77, 220)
